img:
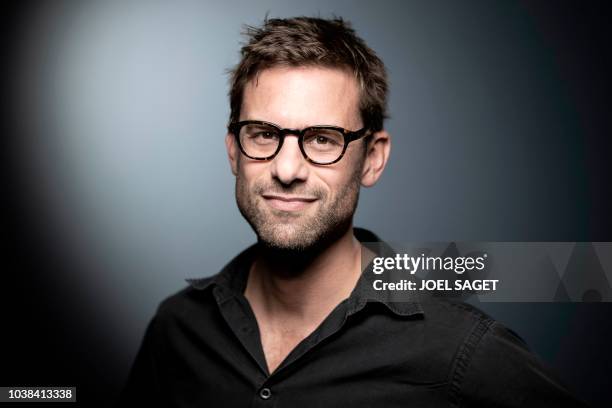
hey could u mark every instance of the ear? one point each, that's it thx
(377, 155)
(232, 152)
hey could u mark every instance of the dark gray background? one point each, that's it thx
(119, 186)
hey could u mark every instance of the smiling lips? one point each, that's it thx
(288, 203)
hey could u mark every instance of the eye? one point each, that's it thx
(320, 139)
(265, 135)
(323, 139)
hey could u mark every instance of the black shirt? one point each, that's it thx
(202, 349)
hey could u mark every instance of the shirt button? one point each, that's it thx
(265, 393)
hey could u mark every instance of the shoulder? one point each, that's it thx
(198, 300)
(193, 299)
(492, 363)
(462, 321)
(458, 337)
(468, 322)
(474, 333)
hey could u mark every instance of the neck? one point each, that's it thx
(304, 287)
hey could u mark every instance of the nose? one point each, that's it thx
(289, 164)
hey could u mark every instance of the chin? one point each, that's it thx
(287, 239)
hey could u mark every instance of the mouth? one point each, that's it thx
(288, 202)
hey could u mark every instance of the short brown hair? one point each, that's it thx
(304, 41)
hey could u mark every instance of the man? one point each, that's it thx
(291, 322)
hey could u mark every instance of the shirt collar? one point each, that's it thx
(233, 277)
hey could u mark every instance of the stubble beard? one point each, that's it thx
(299, 234)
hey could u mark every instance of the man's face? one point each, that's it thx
(290, 203)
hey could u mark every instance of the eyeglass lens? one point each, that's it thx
(320, 145)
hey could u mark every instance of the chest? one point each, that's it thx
(278, 342)
(362, 363)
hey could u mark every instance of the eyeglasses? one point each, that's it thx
(324, 145)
